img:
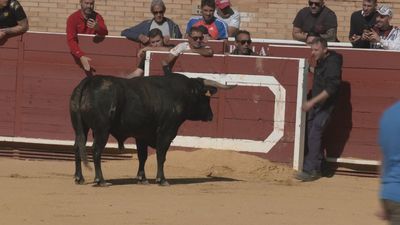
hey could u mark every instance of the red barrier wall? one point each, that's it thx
(37, 75)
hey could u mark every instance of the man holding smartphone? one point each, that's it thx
(361, 23)
(84, 21)
(384, 35)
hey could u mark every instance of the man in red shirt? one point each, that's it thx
(84, 21)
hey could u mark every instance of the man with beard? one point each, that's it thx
(169, 28)
(195, 44)
(217, 29)
(362, 20)
(316, 18)
(13, 19)
(383, 35)
(324, 94)
(84, 21)
(243, 43)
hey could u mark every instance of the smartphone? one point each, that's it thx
(92, 15)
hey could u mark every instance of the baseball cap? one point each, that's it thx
(385, 10)
(222, 4)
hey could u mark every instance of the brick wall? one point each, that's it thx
(263, 18)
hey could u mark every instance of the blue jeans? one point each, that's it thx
(317, 120)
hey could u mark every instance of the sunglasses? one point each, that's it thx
(198, 38)
(317, 4)
(158, 12)
(245, 41)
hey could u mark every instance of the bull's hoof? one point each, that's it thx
(143, 182)
(102, 184)
(162, 182)
(79, 180)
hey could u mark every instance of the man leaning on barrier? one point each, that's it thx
(317, 18)
(13, 20)
(195, 44)
(361, 22)
(243, 43)
(324, 94)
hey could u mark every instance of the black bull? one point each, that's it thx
(150, 109)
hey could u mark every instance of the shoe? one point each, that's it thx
(308, 176)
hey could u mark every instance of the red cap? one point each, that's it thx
(222, 4)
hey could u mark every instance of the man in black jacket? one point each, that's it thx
(361, 22)
(325, 90)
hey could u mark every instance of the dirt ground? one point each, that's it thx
(207, 187)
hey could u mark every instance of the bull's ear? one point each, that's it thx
(210, 91)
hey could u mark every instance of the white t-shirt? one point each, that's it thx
(163, 27)
(232, 21)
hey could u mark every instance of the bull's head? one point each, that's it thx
(201, 109)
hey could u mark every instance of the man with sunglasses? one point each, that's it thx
(243, 43)
(217, 29)
(195, 44)
(169, 28)
(316, 18)
(383, 35)
(362, 21)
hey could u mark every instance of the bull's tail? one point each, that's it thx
(77, 123)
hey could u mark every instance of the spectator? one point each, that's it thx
(169, 29)
(311, 36)
(383, 35)
(13, 20)
(389, 132)
(243, 43)
(230, 16)
(327, 78)
(195, 44)
(217, 29)
(156, 43)
(362, 20)
(84, 21)
(317, 18)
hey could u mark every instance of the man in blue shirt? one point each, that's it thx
(389, 140)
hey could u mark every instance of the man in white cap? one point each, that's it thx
(383, 35)
(228, 15)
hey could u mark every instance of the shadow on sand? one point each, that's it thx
(173, 181)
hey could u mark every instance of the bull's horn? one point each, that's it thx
(217, 84)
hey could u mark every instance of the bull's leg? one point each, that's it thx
(100, 141)
(80, 141)
(163, 143)
(142, 155)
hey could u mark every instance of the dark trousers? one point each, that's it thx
(317, 120)
(393, 211)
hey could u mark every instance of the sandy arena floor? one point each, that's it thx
(207, 188)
